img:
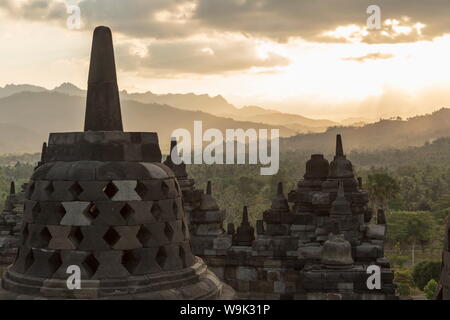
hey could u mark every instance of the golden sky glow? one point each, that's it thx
(406, 73)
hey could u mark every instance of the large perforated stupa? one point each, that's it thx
(101, 200)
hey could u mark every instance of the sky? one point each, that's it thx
(316, 58)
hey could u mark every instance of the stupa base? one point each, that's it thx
(193, 283)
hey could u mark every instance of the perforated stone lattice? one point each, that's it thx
(144, 231)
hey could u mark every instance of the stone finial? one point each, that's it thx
(339, 147)
(340, 167)
(245, 233)
(44, 151)
(340, 206)
(230, 228)
(209, 188)
(280, 188)
(178, 169)
(12, 189)
(360, 183)
(381, 217)
(102, 103)
(260, 227)
(173, 149)
(245, 216)
(279, 203)
(207, 201)
(173, 145)
(337, 252)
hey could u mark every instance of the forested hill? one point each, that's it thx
(392, 133)
(434, 153)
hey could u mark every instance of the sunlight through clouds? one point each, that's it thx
(292, 56)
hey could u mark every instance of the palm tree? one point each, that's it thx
(382, 188)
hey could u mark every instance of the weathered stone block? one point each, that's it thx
(376, 231)
(302, 227)
(367, 251)
(320, 198)
(310, 252)
(76, 214)
(126, 238)
(245, 273)
(126, 190)
(277, 229)
(279, 287)
(92, 191)
(222, 243)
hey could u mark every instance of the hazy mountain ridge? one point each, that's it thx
(295, 122)
(217, 106)
(26, 118)
(11, 89)
(30, 116)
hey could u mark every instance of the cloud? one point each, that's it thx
(310, 20)
(274, 19)
(169, 27)
(198, 57)
(40, 10)
(370, 56)
(136, 18)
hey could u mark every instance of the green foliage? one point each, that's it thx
(436, 153)
(431, 289)
(404, 290)
(382, 188)
(414, 227)
(421, 187)
(425, 271)
(235, 186)
(441, 208)
(398, 260)
(403, 280)
(10, 160)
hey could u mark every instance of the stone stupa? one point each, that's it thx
(101, 201)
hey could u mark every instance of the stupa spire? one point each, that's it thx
(340, 206)
(245, 233)
(339, 148)
(280, 189)
(173, 150)
(279, 203)
(207, 201)
(208, 188)
(245, 216)
(102, 103)
(12, 189)
(173, 144)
